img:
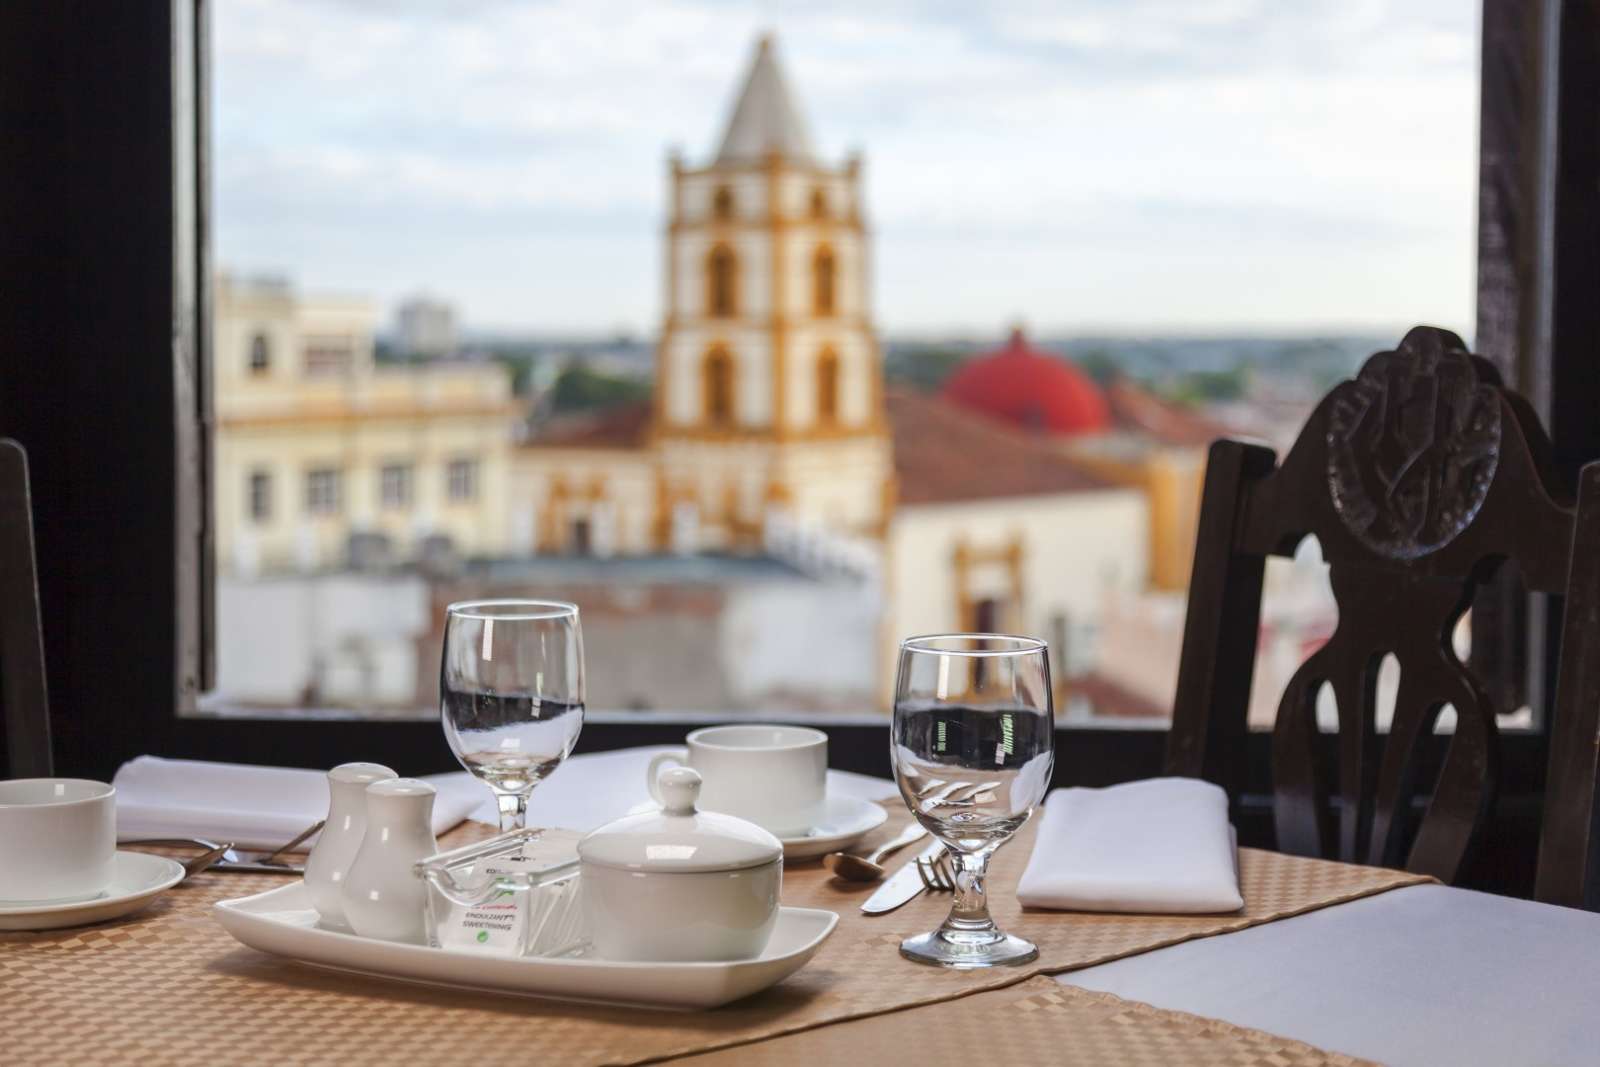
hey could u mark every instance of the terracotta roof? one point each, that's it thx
(944, 454)
(623, 426)
(1136, 408)
(1032, 389)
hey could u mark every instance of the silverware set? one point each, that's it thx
(223, 856)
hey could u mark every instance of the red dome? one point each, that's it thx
(1031, 389)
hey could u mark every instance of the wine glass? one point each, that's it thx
(511, 693)
(972, 748)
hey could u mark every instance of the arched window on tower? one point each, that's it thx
(717, 387)
(260, 354)
(828, 387)
(722, 204)
(819, 203)
(823, 275)
(722, 270)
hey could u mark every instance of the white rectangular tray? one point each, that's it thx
(281, 921)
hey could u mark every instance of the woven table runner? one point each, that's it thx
(1037, 1021)
(170, 986)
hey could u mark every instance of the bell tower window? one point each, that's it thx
(721, 282)
(828, 387)
(823, 275)
(722, 204)
(819, 203)
(718, 387)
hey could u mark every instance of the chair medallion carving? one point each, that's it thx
(1413, 443)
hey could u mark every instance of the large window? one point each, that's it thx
(939, 356)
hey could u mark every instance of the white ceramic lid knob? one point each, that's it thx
(680, 790)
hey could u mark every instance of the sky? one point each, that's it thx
(1118, 166)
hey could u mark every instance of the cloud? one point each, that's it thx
(1022, 159)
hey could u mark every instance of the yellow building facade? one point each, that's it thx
(319, 449)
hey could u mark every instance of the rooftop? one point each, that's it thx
(946, 454)
(622, 426)
(1031, 389)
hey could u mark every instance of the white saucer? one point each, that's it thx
(847, 820)
(138, 878)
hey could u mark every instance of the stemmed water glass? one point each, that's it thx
(972, 748)
(511, 693)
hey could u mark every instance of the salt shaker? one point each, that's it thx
(341, 836)
(382, 896)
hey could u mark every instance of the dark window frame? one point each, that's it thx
(258, 495)
(260, 359)
(132, 363)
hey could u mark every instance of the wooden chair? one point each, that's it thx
(22, 681)
(1419, 478)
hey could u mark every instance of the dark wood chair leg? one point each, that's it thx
(1569, 847)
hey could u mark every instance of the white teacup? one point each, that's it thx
(773, 776)
(58, 839)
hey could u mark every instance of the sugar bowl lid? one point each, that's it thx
(679, 839)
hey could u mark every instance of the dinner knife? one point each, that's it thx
(902, 885)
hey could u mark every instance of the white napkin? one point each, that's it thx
(1160, 846)
(254, 807)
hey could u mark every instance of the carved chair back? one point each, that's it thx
(1419, 478)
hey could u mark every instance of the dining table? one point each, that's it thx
(1396, 970)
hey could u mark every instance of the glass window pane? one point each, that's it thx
(884, 351)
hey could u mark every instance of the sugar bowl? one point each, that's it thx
(680, 884)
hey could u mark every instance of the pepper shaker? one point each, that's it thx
(381, 894)
(341, 836)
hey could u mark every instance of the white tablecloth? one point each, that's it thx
(1425, 975)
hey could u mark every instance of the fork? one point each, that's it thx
(937, 874)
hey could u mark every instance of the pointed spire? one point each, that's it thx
(766, 118)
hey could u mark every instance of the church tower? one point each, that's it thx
(769, 384)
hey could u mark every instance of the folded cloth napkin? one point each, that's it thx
(254, 807)
(1160, 846)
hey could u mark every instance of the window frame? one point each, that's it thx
(405, 480)
(467, 468)
(259, 478)
(329, 478)
(259, 361)
(141, 73)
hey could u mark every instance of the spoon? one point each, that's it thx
(205, 860)
(868, 868)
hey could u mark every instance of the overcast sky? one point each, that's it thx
(1128, 165)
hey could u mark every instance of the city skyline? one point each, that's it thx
(1147, 168)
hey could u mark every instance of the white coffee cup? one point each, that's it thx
(58, 839)
(774, 776)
